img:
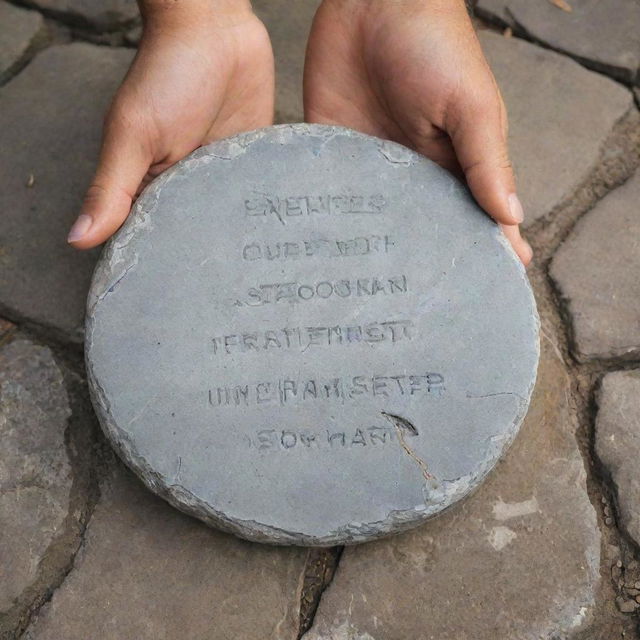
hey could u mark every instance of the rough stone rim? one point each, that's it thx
(182, 498)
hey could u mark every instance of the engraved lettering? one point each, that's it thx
(284, 208)
(340, 389)
(302, 338)
(317, 247)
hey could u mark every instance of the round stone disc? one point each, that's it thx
(305, 335)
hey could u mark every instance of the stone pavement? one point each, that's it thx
(549, 547)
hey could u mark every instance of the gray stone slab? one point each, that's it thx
(560, 114)
(617, 443)
(19, 32)
(596, 271)
(519, 559)
(307, 335)
(103, 15)
(288, 22)
(54, 149)
(146, 572)
(35, 474)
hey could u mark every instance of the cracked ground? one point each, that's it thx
(548, 547)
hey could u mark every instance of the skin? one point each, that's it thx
(408, 70)
(199, 75)
(413, 71)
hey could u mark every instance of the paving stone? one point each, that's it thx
(602, 34)
(288, 22)
(347, 348)
(47, 160)
(35, 475)
(518, 559)
(596, 269)
(617, 443)
(560, 114)
(21, 30)
(147, 572)
(105, 15)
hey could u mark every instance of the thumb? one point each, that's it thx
(122, 166)
(480, 142)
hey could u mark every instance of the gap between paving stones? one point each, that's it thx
(81, 444)
(319, 570)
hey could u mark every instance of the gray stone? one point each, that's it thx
(602, 34)
(147, 572)
(617, 443)
(105, 15)
(288, 22)
(292, 345)
(21, 30)
(47, 159)
(519, 559)
(35, 475)
(560, 115)
(596, 270)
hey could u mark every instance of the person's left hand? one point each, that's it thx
(413, 71)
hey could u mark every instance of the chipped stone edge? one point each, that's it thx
(113, 267)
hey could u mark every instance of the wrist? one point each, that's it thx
(366, 6)
(178, 14)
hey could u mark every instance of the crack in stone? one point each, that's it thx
(498, 393)
(401, 425)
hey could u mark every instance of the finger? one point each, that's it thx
(479, 138)
(520, 245)
(123, 163)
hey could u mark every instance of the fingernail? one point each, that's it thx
(80, 228)
(515, 208)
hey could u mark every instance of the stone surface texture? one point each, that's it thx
(602, 34)
(288, 22)
(250, 415)
(54, 148)
(35, 474)
(560, 115)
(20, 31)
(147, 572)
(617, 443)
(518, 560)
(102, 15)
(596, 271)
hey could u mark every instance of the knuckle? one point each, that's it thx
(122, 115)
(94, 193)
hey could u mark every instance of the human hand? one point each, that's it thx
(203, 71)
(413, 71)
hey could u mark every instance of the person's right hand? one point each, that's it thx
(413, 71)
(202, 72)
